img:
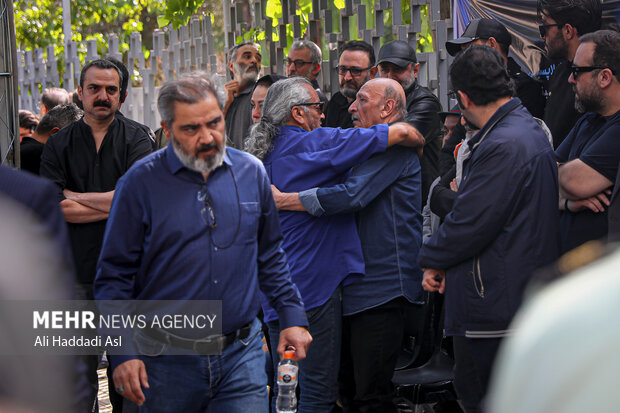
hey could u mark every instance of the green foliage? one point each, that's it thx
(38, 23)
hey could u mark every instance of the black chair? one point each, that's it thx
(432, 382)
(417, 345)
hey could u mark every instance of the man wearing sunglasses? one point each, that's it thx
(324, 252)
(398, 61)
(356, 66)
(384, 192)
(561, 24)
(590, 153)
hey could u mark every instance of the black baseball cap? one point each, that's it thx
(480, 29)
(397, 52)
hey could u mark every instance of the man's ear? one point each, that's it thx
(230, 67)
(166, 130)
(416, 69)
(316, 69)
(54, 130)
(124, 97)
(465, 101)
(388, 108)
(569, 32)
(605, 78)
(373, 72)
(298, 115)
(79, 90)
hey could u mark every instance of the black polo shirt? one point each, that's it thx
(30, 151)
(337, 112)
(71, 161)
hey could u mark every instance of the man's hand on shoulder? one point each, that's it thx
(402, 133)
(130, 377)
(298, 337)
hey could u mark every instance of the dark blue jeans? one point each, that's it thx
(233, 382)
(318, 372)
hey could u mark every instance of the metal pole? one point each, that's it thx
(66, 28)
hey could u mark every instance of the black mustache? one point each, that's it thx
(207, 147)
(102, 103)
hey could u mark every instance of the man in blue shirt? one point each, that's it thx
(323, 252)
(590, 153)
(385, 192)
(197, 221)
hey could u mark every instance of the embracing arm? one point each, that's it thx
(402, 133)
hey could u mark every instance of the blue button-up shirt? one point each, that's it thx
(386, 190)
(322, 251)
(156, 234)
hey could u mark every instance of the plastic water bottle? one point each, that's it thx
(287, 382)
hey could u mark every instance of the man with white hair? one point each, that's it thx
(244, 64)
(324, 252)
(384, 192)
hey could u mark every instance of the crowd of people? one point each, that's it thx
(324, 223)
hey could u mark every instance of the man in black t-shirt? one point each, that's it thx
(85, 160)
(562, 22)
(590, 153)
(356, 66)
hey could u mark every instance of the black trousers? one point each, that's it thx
(372, 341)
(474, 358)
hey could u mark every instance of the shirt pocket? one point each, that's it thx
(249, 222)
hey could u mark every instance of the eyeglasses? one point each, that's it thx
(355, 71)
(319, 105)
(576, 70)
(208, 216)
(298, 63)
(542, 28)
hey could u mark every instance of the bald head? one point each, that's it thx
(380, 100)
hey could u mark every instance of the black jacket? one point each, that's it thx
(529, 91)
(423, 109)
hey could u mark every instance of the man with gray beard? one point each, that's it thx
(324, 252)
(197, 221)
(244, 63)
(356, 66)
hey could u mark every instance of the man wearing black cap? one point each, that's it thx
(397, 60)
(489, 32)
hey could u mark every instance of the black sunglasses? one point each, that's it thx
(542, 28)
(207, 213)
(576, 70)
(355, 71)
(319, 105)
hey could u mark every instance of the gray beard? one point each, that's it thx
(197, 164)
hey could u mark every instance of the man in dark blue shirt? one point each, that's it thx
(324, 252)
(590, 154)
(197, 222)
(385, 192)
